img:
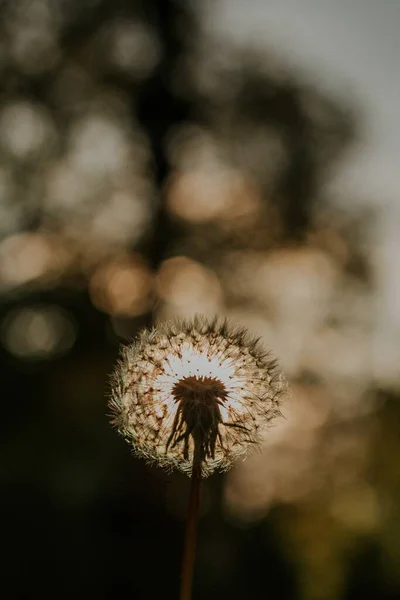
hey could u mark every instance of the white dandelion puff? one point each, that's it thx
(197, 387)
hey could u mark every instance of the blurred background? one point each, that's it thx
(172, 157)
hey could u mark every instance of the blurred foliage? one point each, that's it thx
(149, 169)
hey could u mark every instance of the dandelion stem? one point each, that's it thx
(191, 527)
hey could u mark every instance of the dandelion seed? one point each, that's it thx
(195, 384)
(195, 395)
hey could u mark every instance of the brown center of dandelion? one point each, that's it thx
(198, 414)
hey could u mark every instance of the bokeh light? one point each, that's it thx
(38, 332)
(187, 288)
(32, 257)
(27, 131)
(134, 48)
(205, 187)
(122, 287)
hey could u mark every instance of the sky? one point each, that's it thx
(349, 47)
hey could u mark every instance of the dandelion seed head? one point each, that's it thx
(200, 382)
